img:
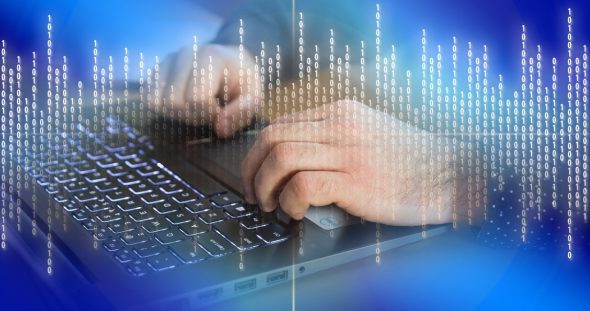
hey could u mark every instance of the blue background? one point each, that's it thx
(448, 274)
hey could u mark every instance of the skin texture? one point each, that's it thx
(213, 92)
(364, 161)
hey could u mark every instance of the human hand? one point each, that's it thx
(366, 162)
(217, 89)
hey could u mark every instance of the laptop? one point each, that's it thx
(149, 217)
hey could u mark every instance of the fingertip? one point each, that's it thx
(249, 196)
(222, 126)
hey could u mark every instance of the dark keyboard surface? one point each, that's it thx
(147, 217)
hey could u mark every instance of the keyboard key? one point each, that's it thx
(238, 211)
(121, 226)
(56, 168)
(152, 197)
(75, 160)
(162, 261)
(89, 224)
(166, 207)
(128, 179)
(185, 197)
(84, 168)
(117, 171)
(98, 206)
(137, 268)
(96, 177)
(241, 238)
(199, 206)
(169, 236)
(159, 179)
(212, 216)
(129, 205)
(140, 188)
(148, 249)
(188, 252)
(42, 181)
(66, 153)
(272, 233)
(109, 216)
(193, 228)
(100, 234)
(52, 188)
(65, 177)
(253, 222)
(34, 172)
(134, 237)
(148, 170)
(87, 196)
(113, 244)
(125, 256)
(179, 218)
(106, 186)
(107, 162)
(76, 186)
(70, 206)
(140, 215)
(214, 244)
(96, 153)
(136, 162)
(155, 225)
(118, 195)
(60, 197)
(172, 187)
(225, 199)
(80, 214)
(127, 154)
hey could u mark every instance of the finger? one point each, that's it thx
(309, 115)
(234, 116)
(337, 108)
(317, 188)
(208, 82)
(288, 158)
(268, 138)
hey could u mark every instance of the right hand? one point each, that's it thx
(206, 95)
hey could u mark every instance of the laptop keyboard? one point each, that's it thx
(147, 217)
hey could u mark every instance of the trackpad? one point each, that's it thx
(330, 217)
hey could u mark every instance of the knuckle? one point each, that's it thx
(301, 185)
(281, 154)
(323, 186)
(266, 136)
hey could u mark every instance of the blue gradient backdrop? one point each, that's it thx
(439, 278)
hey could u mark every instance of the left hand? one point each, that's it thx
(368, 163)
